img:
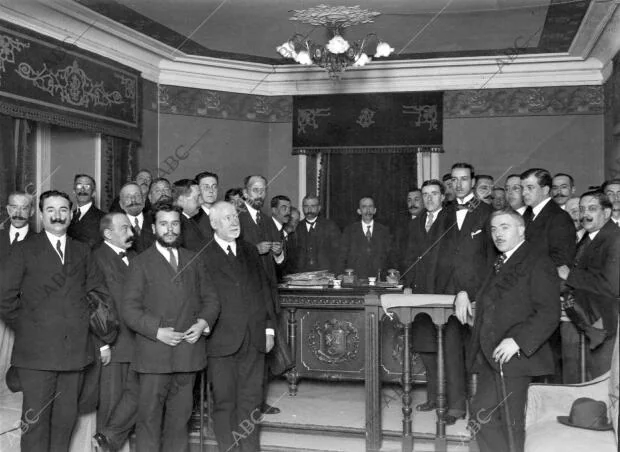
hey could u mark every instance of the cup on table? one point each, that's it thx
(372, 280)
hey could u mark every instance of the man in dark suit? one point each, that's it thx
(132, 203)
(208, 185)
(415, 206)
(186, 195)
(562, 188)
(242, 335)
(514, 193)
(169, 302)
(280, 215)
(469, 253)
(118, 392)
(45, 282)
(20, 208)
(595, 274)
(549, 228)
(85, 222)
(318, 239)
(261, 232)
(143, 180)
(516, 312)
(160, 191)
(366, 246)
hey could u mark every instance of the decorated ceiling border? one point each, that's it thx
(563, 100)
(224, 105)
(44, 79)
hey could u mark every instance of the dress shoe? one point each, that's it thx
(100, 443)
(451, 420)
(265, 408)
(426, 406)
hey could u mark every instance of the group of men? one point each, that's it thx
(194, 281)
(188, 293)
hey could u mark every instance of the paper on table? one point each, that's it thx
(392, 300)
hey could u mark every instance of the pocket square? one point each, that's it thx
(473, 234)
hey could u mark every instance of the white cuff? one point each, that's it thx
(104, 348)
(270, 332)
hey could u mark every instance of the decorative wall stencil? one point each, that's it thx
(46, 80)
(224, 105)
(8, 47)
(408, 121)
(334, 341)
(561, 100)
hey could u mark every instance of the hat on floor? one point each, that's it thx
(587, 413)
(12, 380)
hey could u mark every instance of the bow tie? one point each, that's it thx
(122, 254)
(463, 206)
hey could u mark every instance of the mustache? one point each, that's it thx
(82, 193)
(134, 204)
(18, 217)
(129, 240)
(58, 221)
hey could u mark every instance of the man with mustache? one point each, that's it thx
(514, 195)
(550, 229)
(45, 282)
(20, 209)
(516, 312)
(280, 215)
(562, 188)
(118, 391)
(261, 232)
(366, 245)
(243, 335)
(132, 204)
(593, 278)
(415, 207)
(169, 302)
(85, 222)
(186, 195)
(143, 180)
(484, 188)
(160, 191)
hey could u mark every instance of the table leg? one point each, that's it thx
(440, 436)
(292, 375)
(372, 377)
(407, 441)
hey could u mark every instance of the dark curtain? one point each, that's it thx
(119, 165)
(17, 160)
(347, 177)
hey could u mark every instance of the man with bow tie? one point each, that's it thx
(45, 282)
(118, 392)
(318, 239)
(85, 222)
(169, 302)
(516, 312)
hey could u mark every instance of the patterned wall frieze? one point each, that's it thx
(224, 105)
(561, 100)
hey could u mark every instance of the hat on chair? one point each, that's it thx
(587, 413)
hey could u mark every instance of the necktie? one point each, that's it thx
(59, 249)
(499, 263)
(429, 221)
(282, 235)
(15, 237)
(259, 219)
(581, 248)
(462, 206)
(528, 215)
(368, 233)
(310, 226)
(137, 226)
(123, 256)
(230, 252)
(173, 260)
(78, 214)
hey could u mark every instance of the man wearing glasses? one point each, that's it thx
(86, 217)
(208, 185)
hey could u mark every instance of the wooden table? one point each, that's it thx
(439, 312)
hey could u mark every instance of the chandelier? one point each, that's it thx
(338, 54)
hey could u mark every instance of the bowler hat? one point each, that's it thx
(587, 413)
(12, 380)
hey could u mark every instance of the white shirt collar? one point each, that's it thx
(164, 251)
(252, 211)
(83, 209)
(206, 209)
(23, 232)
(278, 224)
(521, 210)
(132, 219)
(511, 252)
(365, 226)
(466, 199)
(580, 234)
(536, 210)
(435, 213)
(186, 215)
(224, 244)
(63, 243)
(594, 234)
(115, 248)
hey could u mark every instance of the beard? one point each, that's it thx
(176, 243)
(256, 203)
